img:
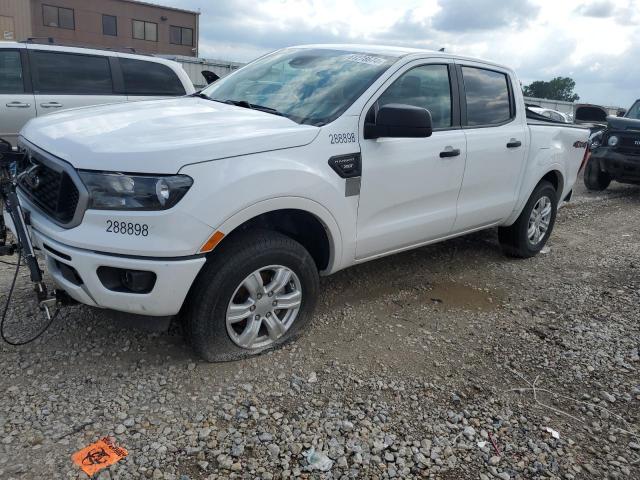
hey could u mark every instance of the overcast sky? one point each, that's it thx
(596, 42)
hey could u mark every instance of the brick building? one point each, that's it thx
(118, 24)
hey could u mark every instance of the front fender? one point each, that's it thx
(292, 203)
(226, 193)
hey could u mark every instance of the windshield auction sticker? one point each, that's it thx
(98, 456)
(362, 58)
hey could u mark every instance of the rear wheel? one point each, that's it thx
(594, 178)
(529, 234)
(256, 293)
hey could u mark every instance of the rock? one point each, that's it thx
(274, 450)
(608, 397)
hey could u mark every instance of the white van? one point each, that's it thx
(38, 79)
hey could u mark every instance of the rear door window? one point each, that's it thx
(150, 78)
(70, 74)
(488, 98)
(11, 79)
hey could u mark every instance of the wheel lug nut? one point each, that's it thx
(257, 317)
(268, 314)
(252, 308)
(274, 303)
(259, 296)
(271, 294)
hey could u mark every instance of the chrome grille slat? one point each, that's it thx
(53, 186)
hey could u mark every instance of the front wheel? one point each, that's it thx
(594, 178)
(256, 293)
(529, 234)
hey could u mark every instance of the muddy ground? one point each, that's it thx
(450, 361)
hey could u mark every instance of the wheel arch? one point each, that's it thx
(304, 220)
(556, 179)
(554, 176)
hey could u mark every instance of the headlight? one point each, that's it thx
(613, 141)
(118, 191)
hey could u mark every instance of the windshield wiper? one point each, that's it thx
(253, 106)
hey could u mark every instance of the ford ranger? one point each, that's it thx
(224, 206)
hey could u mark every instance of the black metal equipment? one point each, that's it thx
(9, 158)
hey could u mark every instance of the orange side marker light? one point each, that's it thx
(98, 456)
(213, 241)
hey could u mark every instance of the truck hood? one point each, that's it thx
(161, 136)
(623, 123)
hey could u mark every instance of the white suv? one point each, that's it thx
(39, 79)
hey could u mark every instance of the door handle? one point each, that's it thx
(513, 143)
(51, 105)
(450, 152)
(18, 105)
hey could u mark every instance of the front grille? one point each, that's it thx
(48, 186)
(627, 144)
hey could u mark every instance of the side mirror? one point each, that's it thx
(396, 120)
(622, 112)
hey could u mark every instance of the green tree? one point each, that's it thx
(559, 88)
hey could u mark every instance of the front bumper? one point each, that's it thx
(174, 277)
(618, 165)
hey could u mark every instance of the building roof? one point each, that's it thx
(150, 4)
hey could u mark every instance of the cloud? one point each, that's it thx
(539, 38)
(465, 15)
(597, 9)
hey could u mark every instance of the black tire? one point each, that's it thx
(204, 313)
(594, 178)
(514, 240)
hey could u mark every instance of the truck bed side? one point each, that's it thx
(553, 147)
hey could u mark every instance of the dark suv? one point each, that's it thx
(615, 152)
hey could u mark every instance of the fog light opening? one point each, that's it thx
(127, 281)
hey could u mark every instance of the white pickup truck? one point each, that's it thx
(226, 205)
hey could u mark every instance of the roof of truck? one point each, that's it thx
(396, 51)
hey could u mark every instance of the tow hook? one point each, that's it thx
(10, 202)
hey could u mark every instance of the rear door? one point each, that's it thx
(145, 80)
(17, 105)
(63, 80)
(497, 143)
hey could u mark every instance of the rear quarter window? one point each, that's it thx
(150, 78)
(488, 97)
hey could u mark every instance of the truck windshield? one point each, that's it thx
(310, 86)
(634, 111)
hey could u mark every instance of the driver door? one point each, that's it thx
(410, 186)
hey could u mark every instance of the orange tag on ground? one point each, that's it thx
(98, 456)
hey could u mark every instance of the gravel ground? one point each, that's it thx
(448, 362)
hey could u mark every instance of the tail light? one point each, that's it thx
(585, 159)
